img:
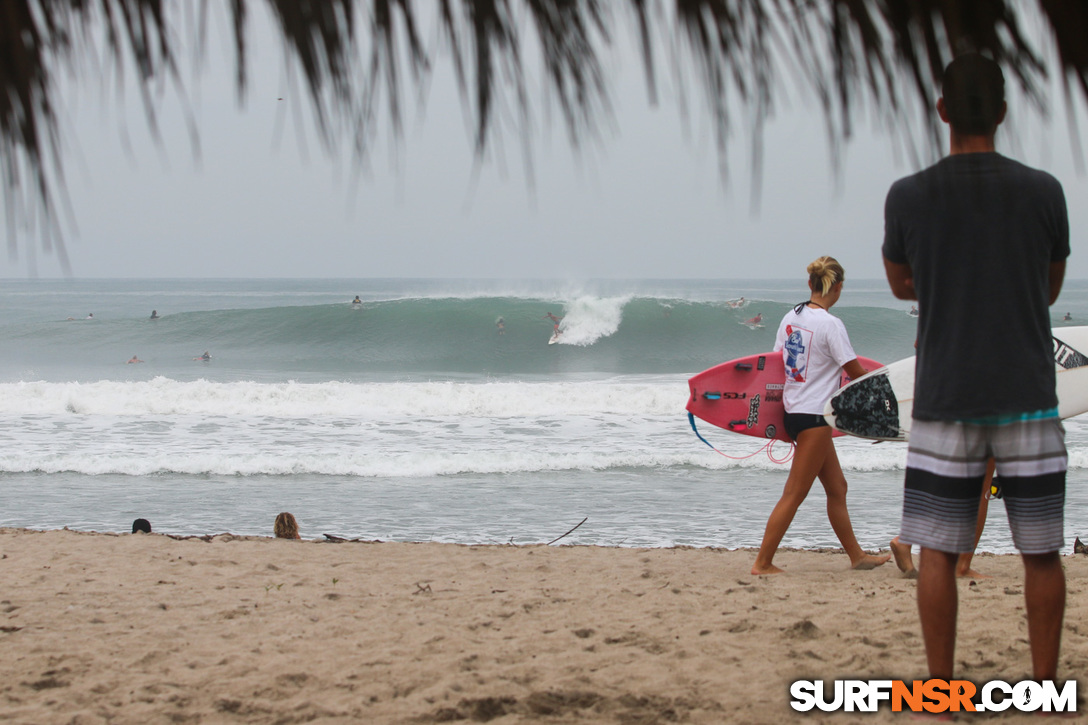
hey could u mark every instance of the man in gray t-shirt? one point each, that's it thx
(981, 241)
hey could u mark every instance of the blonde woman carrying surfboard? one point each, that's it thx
(816, 350)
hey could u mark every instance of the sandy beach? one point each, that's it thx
(100, 628)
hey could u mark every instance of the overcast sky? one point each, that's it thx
(264, 200)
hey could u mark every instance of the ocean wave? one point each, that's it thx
(166, 397)
(621, 334)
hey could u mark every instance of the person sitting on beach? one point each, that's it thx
(816, 350)
(286, 527)
(134, 360)
(142, 526)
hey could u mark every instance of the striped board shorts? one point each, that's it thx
(946, 463)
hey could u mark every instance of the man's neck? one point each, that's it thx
(970, 144)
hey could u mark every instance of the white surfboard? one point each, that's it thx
(878, 405)
(555, 337)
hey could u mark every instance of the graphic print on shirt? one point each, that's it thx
(798, 341)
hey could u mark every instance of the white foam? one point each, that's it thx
(163, 396)
(588, 319)
(390, 430)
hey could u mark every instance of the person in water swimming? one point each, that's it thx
(205, 357)
(134, 360)
(356, 301)
(154, 314)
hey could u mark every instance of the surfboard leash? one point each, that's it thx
(767, 447)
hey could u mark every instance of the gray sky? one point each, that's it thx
(264, 200)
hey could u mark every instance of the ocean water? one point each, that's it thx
(412, 417)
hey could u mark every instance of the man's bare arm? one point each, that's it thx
(901, 280)
(1057, 276)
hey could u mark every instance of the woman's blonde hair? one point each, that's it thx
(286, 527)
(825, 273)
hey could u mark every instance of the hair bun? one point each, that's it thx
(824, 273)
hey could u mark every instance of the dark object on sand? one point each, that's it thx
(142, 526)
(1079, 547)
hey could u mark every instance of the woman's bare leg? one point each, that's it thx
(808, 459)
(834, 483)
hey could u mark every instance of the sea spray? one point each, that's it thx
(587, 319)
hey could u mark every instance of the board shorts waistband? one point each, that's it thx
(946, 464)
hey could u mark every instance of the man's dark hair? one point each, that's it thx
(974, 90)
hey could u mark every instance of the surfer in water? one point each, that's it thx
(816, 350)
(154, 315)
(501, 325)
(756, 321)
(356, 301)
(555, 320)
(205, 357)
(134, 360)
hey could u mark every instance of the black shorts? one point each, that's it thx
(796, 423)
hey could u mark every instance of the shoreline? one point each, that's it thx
(127, 628)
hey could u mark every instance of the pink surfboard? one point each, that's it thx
(745, 395)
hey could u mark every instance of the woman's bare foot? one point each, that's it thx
(903, 559)
(768, 569)
(870, 561)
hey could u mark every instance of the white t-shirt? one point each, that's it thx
(814, 347)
